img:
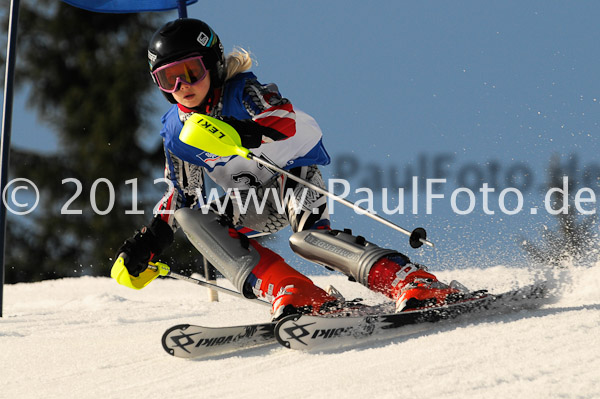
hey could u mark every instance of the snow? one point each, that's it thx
(91, 338)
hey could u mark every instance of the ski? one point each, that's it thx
(346, 328)
(189, 341)
(306, 332)
(193, 341)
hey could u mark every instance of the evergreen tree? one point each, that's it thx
(87, 75)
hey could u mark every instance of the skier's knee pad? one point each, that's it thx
(213, 240)
(339, 250)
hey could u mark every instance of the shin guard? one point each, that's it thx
(220, 244)
(341, 251)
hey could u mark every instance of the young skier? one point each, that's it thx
(188, 65)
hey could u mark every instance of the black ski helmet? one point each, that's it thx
(186, 36)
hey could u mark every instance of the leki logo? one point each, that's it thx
(209, 127)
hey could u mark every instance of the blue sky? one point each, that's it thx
(476, 89)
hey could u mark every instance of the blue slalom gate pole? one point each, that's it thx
(6, 131)
(182, 8)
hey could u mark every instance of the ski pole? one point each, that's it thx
(210, 275)
(156, 265)
(217, 137)
(120, 273)
(417, 236)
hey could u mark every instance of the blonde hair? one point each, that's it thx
(238, 61)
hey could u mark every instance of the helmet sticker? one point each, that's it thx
(151, 57)
(203, 39)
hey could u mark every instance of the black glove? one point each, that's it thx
(251, 133)
(145, 244)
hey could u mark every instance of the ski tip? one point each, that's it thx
(281, 324)
(181, 327)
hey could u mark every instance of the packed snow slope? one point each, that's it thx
(91, 338)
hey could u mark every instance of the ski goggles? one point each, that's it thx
(189, 71)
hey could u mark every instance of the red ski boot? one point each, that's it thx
(410, 285)
(288, 290)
